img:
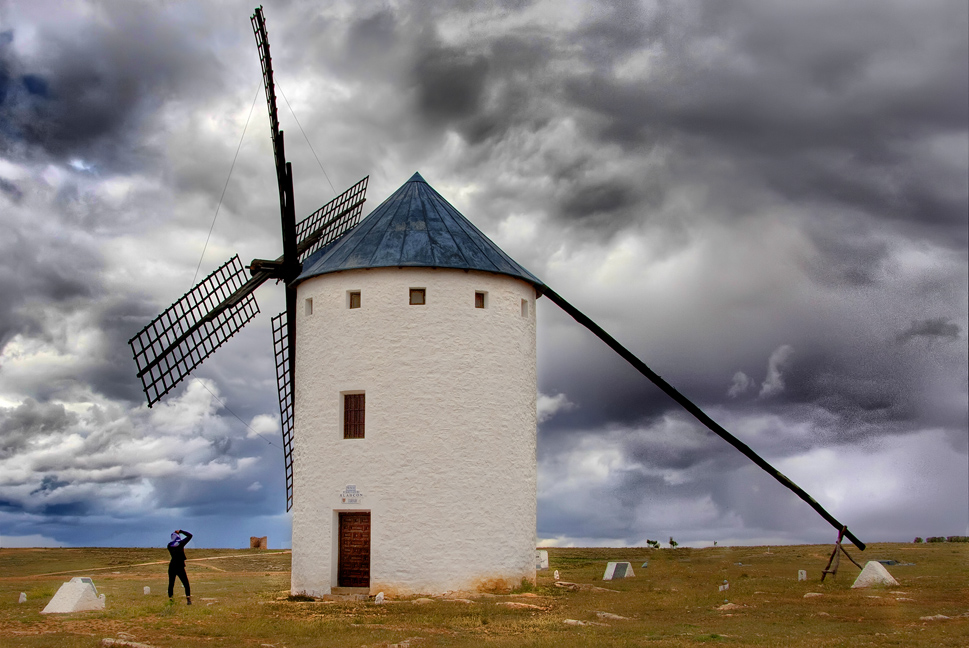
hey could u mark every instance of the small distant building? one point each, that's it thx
(415, 421)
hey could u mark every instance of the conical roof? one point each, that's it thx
(415, 227)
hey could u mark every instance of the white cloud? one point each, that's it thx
(262, 426)
(774, 382)
(741, 383)
(549, 406)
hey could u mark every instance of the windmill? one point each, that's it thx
(410, 415)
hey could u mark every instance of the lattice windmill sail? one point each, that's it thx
(190, 330)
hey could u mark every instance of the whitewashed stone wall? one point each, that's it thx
(447, 468)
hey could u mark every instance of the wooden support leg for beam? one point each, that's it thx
(835, 557)
(845, 551)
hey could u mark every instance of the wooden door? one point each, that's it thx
(353, 567)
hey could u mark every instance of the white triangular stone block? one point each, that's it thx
(874, 573)
(76, 595)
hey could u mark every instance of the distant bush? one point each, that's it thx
(673, 543)
(918, 541)
(957, 539)
(935, 539)
(652, 543)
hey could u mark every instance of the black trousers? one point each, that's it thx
(177, 570)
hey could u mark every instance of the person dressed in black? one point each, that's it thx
(176, 567)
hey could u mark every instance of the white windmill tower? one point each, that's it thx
(408, 396)
(414, 456)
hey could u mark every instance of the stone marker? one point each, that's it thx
(874, 573)
(23, 597)
(617, 570)
(147, 590)
(76, 595)
(645, 565)
(520, 606)
(123, 643)
(608, 616)
(725, 586)
(379, 598)
(541, 559)
(258, 543)
(802, 574)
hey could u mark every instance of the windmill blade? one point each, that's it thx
(284, 382)
(258, 21)
(331, 221)
(191, 329)
(700, 415)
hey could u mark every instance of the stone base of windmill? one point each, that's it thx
(77, 595)
(258, 543)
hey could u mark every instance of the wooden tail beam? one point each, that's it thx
(699, 414)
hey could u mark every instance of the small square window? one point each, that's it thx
(354, 406)
(417, 297)
(524, 308)
(309, 306)
(479, 299)
(354, 298)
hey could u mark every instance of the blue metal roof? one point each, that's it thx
(414, 227)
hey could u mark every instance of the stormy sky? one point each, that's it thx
(767, 202)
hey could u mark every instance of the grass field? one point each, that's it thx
(240, 599)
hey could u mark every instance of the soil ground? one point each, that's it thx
(241, 600)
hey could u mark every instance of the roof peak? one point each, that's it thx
(415, 227)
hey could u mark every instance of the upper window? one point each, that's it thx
(353, 299)
(417, 296)
(479, 299)
(308, 306)
(524, 308)
(353, 415)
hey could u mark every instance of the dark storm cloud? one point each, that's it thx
(450, 84)
(938, 327)
(29, 421)
(89, 90)
(800, 101)
(114, 372)
(52, 271)
(12, 190)
(601, 203)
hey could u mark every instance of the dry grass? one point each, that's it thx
(241, 601)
